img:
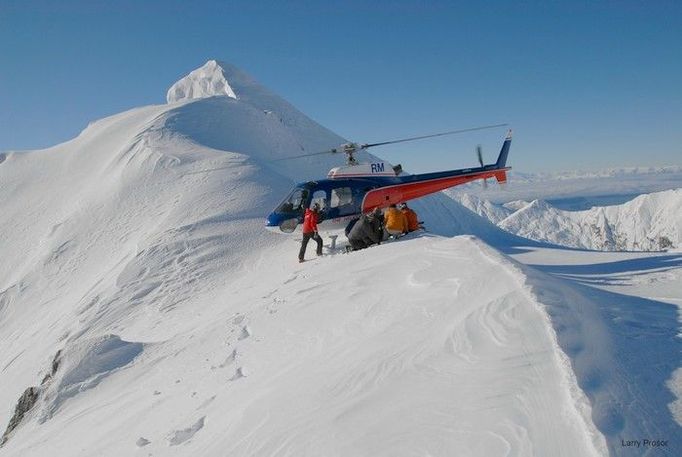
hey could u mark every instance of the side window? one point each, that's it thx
(341, 196)
(319, 197)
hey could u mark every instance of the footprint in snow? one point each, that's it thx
(206, 402)
(142, 442)
(180, 436)
(230, 359)
(293, 278)
(246, 332)
(241, 372)
(270, 293)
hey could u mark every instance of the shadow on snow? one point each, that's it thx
(623, 348)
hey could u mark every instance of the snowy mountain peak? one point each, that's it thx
(650, 222)
(214, 78)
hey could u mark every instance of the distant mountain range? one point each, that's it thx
(650, 222)
(600, 173)
(577, 190)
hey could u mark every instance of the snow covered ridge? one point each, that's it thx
(154, 214)
(144, 310)
(650, 222)
(491, 211)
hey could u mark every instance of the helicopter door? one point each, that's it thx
(319, 197)
(342, 199)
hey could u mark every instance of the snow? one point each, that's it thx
(135, 255)
(180, 436)
(578, 190)
(84, 365)
(650, 222)
(207, 81)
(484, 208)
(617, 315)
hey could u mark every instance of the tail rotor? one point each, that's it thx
(479, 154)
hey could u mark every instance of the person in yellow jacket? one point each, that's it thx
(395, 221)
(412, 219)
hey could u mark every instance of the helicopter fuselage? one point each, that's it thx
(344, 198)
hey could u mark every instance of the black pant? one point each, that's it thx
(304, 243)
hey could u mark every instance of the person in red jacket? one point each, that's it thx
(310, 220)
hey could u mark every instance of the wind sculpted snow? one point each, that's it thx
(622, 338)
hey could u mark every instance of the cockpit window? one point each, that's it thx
(294, 202)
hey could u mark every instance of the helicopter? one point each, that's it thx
(358, 188)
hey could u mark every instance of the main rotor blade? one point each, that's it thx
(403, 140)
(414, 138)
(328, 151)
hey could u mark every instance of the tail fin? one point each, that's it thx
(502, 158)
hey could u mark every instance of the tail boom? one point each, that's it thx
(430, 183)
(501, 176)
(391, 195)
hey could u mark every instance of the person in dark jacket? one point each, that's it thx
(350, 226)
(310, 220)
(366, 231)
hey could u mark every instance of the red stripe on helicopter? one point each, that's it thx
(359, 175)
(392, 195)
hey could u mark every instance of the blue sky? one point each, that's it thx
(584, 84)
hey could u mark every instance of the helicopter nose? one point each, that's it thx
(280, 223)
(272, 222)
